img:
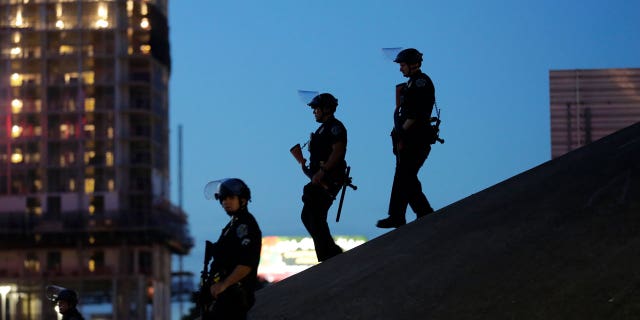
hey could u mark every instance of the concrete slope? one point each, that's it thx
(559, 241)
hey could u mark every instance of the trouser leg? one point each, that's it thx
(406, 188)
(317, 202)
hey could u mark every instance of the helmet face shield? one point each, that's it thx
(220, 189)
(307, 95)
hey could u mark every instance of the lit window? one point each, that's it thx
(88, 155)
(109, 158)
(144, 10)
(89, 104)
(16, 105)
(103, 14)
(38, 184)
(90, 129)
(92, 263)
(72, 185)
(16, 37)
(111, 185)
(16, 156)
(16, 51)
(31, 263)
(92, 209)
(145, 48)
(110, 132)
(19, 21)
(16, 131)
(66, 130)
(89, 185)
(101, 24)
(129, 8)
(60, 24)
(16, 80)
(37, 131)
(64, 49)
(144, 24)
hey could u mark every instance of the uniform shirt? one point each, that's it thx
(72, 314)
(240, 244)
(329, 133)
(417, 98)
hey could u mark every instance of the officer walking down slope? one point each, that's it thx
(412, 136)
(236, 254)
(327, 148)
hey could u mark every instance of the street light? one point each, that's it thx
(3, 292)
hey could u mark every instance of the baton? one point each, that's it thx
(345, 184)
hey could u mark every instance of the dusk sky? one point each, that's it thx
(237, 66)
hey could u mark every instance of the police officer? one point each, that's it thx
(236, 254)
(327, 166)
(67, 301)
(412, 136)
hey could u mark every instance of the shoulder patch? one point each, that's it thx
(421, 83)
(245, 242)
(242, 230)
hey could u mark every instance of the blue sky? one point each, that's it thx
(237, 66)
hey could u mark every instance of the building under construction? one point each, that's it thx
(84, 157)
(589, 104)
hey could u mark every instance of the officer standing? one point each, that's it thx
(412, 136)
(67, 301)
(236, 254)
(327, 148)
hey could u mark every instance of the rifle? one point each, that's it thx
(345, 183)
(296, 151)
(203, 297)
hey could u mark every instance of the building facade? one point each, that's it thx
(84, 156)
(586, 105)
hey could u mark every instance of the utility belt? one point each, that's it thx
(332, 178)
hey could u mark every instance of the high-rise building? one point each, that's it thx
(587, 105)
(84, 157)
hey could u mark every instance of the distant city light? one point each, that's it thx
(144, 24)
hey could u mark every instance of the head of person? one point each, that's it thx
(410, 61)
(67, 299)
(324, 106)
(233, 195)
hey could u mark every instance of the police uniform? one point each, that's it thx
(72, 314)
(412, 146)
(317, 199)
(239, 244)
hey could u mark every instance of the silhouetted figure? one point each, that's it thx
(327, 149)
(67, 301)
(412, 136)
(236, 254)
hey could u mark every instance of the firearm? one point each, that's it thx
(435, 126)
(345, 183)
(203, 297)
(296, 151)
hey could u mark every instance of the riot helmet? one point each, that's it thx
(221, 189)
(409, 56)
(324, 101)
(68, 295)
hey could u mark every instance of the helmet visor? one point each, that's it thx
(212, 189)
(307, 96)
(391, 53)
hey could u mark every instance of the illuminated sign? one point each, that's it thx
(282, 257)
